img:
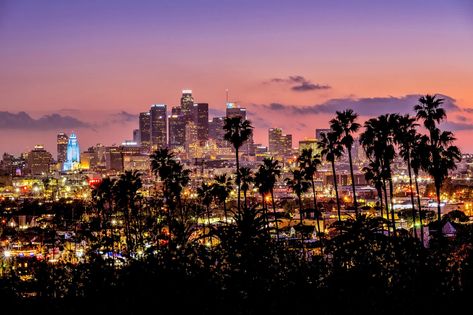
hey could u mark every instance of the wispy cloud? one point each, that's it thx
(364, 106)
(24, 121)
(299, 83)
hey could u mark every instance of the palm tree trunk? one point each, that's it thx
(439, 213)
(412, 195)
(244, 198)
(391, 188)
(238, 178)
(336, 191)
(420, 210)
(315, 205)
(386, 202)
(355, 203)
(381, 205)
(302, 224)
(275, 217)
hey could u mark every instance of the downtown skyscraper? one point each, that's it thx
(158, 120)
(145, 131)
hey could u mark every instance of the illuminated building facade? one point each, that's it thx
(72, 155)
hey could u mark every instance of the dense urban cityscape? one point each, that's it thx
(241, 157)
(187, 181)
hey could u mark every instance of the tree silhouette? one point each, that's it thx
(237, 132)
(442, 155)
(265, 179)
(299, 185)
(332, 150)
(344, 126)
(309, 162)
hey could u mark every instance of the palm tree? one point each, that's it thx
(378, 142)
(344, 126)
(404, 136)
(418, 162)
(126, 194)
(221, 189)
(237, 132)
(309, 162)
(205, 194)
(332, 150)
(162, 161)
(299, 185)
(442, 155)
(373, 175)
(265, 179)
(246, 178)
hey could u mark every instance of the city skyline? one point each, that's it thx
(107, 63)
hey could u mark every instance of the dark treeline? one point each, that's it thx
(163, 254)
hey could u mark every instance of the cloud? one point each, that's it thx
(468, 110)
(24, 121)
(299, 84)
(124, 117)
(456, 126)
(373, 106)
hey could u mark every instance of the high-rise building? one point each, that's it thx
(73, 154)
(177, 131)
(279, 144)
(233, 110)
(145, 131)
(318, 132)
(201, 120)
(39, 160)
(62, 140)
(187, 102)
(308, 144)
(136, 136)
(216, 131)
(158, 114)
(192, 138)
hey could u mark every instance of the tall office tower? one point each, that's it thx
(187, 102)
(73, 154)
(62, 140)
(192, 137)
(39, 160)
(145, 131)
(274, 140)
(176, 110)
(233, 110)
(136, 135)
(201, 120)
(318, 132)
(177, 131)
(279, 143)
(216, 131)
(158, 114)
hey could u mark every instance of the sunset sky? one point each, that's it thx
(97, 64)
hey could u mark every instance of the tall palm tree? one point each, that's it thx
(404, 136)
(206, 196)
(378, 142)
(332, 150)
(418, 162)
(299, 185)
(373, 175)
(237, 132)
(126, 194)
(265, 179)
(442, 155)
(309, 162)
(344, 126)
(246, 178)
(162, 162)
(221, 189)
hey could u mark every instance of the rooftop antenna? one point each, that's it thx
(226, 98)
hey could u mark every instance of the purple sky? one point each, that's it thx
(92, 60)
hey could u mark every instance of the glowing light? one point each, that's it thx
(7, 253)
